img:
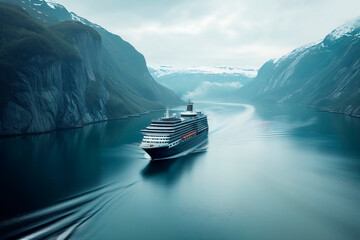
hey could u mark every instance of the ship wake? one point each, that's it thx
(61, 220)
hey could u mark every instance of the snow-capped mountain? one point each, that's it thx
(344, 30)
(203, 82)
(161, 70)
(52, 4)
(73, 71)
(324, 74)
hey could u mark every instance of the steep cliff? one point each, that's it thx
(132, 88)
(68, 74)
(323, 75)
(50, 81)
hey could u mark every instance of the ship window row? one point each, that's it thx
(179, 125)
(185, 125)
(162, 125)
(184, 131)
(173, 144)
(166, 122)
(149, 135)
(157, 131)
(191, 121)
(178, 136)
(156, 137)
(156, 141)
(192, 125)
(188, 123)
(180, 133)
(189, 129)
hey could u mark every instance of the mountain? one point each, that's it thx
(58, 70)
(324, 75)
(202, 82)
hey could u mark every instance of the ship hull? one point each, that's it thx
(183, 148)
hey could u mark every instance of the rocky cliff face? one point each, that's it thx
(58, 70)
(323, 75)
(50, 93)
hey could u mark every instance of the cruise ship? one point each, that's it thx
(175, 136)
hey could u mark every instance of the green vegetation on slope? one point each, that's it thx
(21, 38)
(42, 31)
(69, 29)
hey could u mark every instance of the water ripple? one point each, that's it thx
(59, 221)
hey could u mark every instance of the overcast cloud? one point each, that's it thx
(216, 32)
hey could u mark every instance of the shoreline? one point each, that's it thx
(319, 109)
(83, 125)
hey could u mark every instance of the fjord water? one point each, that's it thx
(267, 172)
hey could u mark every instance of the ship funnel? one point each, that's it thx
(189, 107)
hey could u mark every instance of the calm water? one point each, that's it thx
(268, 172)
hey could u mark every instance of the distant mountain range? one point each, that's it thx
(324, 75)
(202, 82)
(59, 70)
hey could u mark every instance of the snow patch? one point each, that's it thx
(295, 52)
(345, 30)
(52, 4)
(341, 31)
(77, 18)
(161, 70)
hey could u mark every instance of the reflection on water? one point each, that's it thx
(169, 171)
(267, 172)
(40, 169)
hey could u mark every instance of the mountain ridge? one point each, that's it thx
(203, 82)
(323, 75)
(162, 70)
(100, 77)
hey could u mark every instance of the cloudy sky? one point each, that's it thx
(216, 32)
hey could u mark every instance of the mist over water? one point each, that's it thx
(267, 172)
